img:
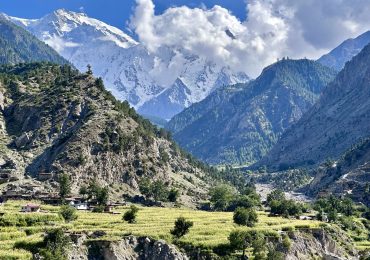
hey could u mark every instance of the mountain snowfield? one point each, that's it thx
(129, 71)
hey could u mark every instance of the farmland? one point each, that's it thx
(210, 228)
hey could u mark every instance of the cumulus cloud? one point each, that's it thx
(273, 29)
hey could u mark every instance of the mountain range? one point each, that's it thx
(239, 124)
(340, 119)
(128, 69)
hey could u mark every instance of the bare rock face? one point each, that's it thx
(70, 124)
(129, 248)
(319, 244)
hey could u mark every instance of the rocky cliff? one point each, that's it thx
(129, 248)
(55, 120)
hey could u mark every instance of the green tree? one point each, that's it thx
(245, 217)
(182, 227)
(277, 195)
(240, 240)
(102, 196)
(68, 213)
(57, 245)
(221, 196)
(259, 247)
(273, 254)
(64, 185)
(130, 215)
(83, 191)
(173, 195)
(159, 191)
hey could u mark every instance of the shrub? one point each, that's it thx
(245, 217)
(57, 245)
(287, 229)
(302, 227)
(68, 213)
(182, 227)
(173, 195)
(286, 242)
(99, 209)
(130, 215)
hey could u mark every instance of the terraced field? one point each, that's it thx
(210, 228)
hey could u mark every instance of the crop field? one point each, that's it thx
(210, 228)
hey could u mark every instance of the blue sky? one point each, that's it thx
(114, 12)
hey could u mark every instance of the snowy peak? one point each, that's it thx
(159, 84)
(63, 23)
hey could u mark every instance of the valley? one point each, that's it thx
(189, 132)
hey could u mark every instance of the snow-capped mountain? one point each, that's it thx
(129, 71)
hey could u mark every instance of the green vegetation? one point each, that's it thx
(98, 193)
(18, 46)
(68, 213)
(130, 215)
(157, 190)
(64, 185)
(225, 198)
(258, 102)
(210, 229)
(245, 217)
(182, 227)
(57, 245)
(333, 206)
(279, 205)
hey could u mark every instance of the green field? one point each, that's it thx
(210, 228)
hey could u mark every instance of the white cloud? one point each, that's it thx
(273, 29)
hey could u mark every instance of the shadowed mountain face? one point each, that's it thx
(340, 119)
(17, 46)
(240, 124)
(338, 57)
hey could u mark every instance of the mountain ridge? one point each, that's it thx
(238, 124)
(336, 122)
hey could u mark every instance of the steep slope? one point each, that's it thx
(347, 176)
(129, 71)
(55, 120)
(18, 45)
(338, 57)
(239, 124)
(338, 120)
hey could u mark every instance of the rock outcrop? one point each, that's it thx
(319, 244)
(129, 248)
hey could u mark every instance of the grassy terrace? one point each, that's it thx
(210, 228)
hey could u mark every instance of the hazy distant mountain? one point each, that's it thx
(18, 45)
(340, 119)
(128, 69)
(240, 124)
(338, 57)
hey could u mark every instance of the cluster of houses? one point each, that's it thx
(76, 202)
